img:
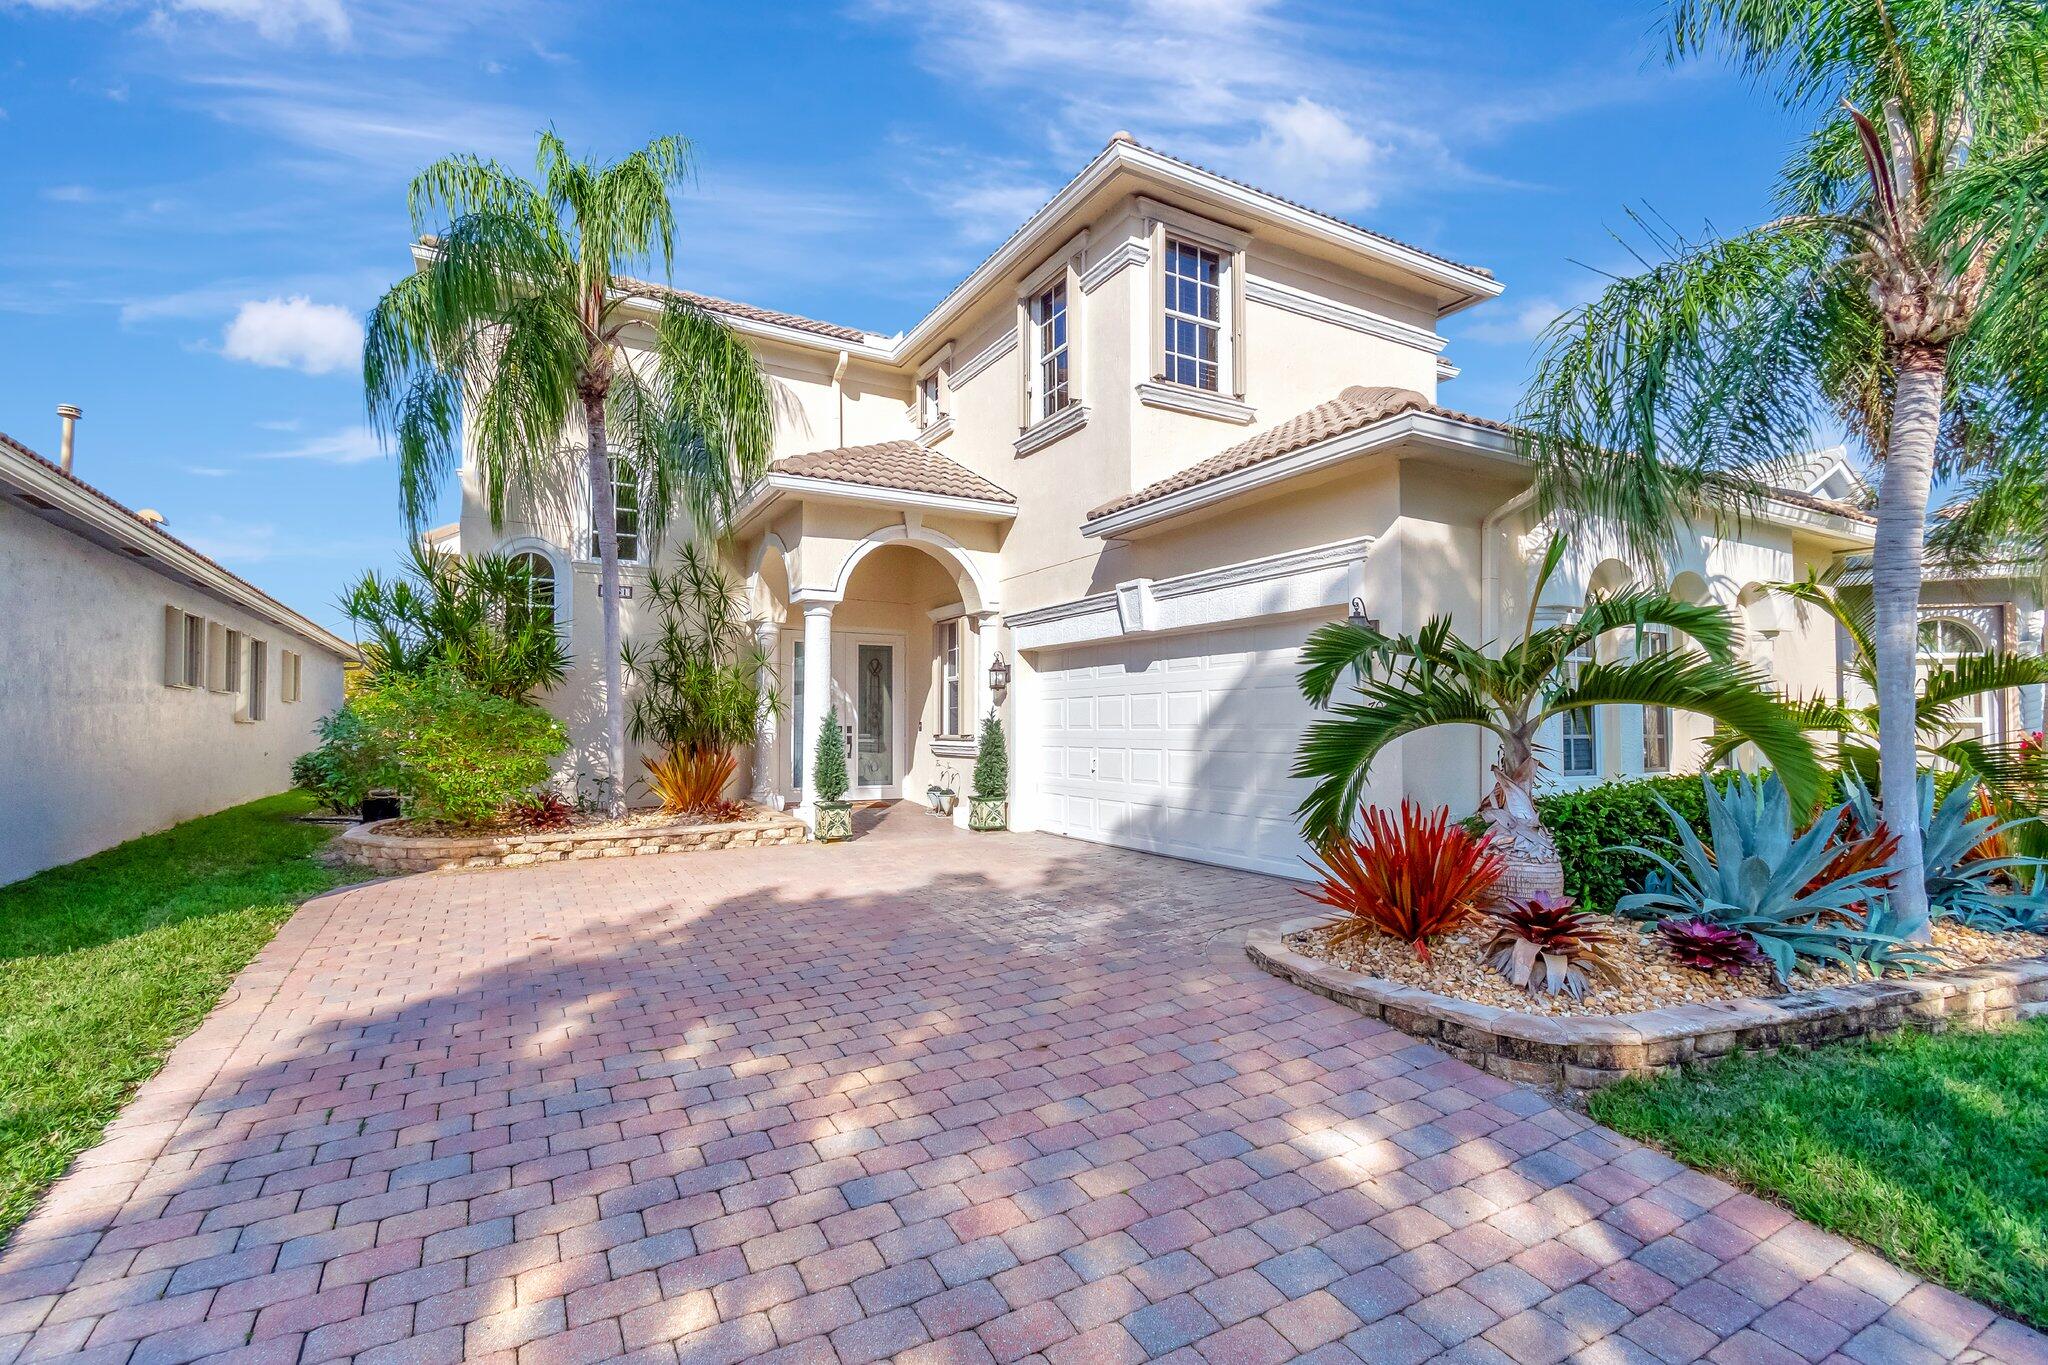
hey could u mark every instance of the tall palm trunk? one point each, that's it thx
(604, 514)
(1895, 598)
(1532, 866)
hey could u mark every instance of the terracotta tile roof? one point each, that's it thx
(747, 311)
(320, 635)
(902, 465)
(1358, 407)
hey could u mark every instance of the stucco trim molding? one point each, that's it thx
(988, 355)
(1344, 315)
(1131, 251)
(1061, 423)
(1318, 577)
(1154, 393)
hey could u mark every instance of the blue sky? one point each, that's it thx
(203, 196)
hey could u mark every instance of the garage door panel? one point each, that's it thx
(1180, 745)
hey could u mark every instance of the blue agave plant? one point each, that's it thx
(1960, 887)
(1757, 879)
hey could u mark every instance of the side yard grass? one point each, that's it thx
(107, 962)
(1932, 1149)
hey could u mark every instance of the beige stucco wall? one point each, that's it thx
(94, 747)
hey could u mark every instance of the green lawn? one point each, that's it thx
(1931, 1149)
(108, 962)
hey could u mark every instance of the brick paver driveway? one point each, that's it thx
(927, 1094)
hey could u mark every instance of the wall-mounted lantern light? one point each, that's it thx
(999, 674)
(1359, 619)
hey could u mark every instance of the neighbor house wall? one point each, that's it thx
(94, 747)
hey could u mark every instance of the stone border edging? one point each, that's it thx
(1586, 1052)
(364, 846)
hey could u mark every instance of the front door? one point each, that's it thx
(867, 685)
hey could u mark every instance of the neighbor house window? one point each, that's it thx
(252, 702)
(1578, 755)
(1656, 719)
(949, 677)
(184, 648)
(1194, 315)
(288, 669)
(625, 514)
(534, 598)
(1049, 327)
(231, 662)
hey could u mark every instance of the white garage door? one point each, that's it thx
(1178, 745)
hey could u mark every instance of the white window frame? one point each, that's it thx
(1203, 321)
(952, 651)
(1584, 719)
(1052, 353)
(289, 665)
(1656, 719)
(1978, 717)
(184, 649)
(1167, 223)
(252, 701)
(1035, 418)
(637, 535)
(233, 643)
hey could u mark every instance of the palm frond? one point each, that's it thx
(1338, 751)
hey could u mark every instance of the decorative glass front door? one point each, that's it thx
(874, 692)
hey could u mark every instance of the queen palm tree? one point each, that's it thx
(516, 327)
(1417, 682)
(1901, 293)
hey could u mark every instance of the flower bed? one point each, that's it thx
(388, 846)
(1547, 1041)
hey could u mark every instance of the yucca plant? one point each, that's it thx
(1545, 946)
(1709, 947)
(1995, 893)
(1762, 878)
(1414, 878)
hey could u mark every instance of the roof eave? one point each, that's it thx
(771, 489)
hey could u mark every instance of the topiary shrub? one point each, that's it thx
(457, 754)
(1593, 826)
(828, 767)
(992, 764)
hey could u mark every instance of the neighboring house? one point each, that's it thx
(144, 684)
(1167, 428)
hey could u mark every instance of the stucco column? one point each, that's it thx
(766, 638)
(817, 694)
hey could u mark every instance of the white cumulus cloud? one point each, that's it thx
(294, 333)
(350, 445)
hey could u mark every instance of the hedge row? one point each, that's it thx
(1592, 826)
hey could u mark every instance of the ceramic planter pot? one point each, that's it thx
(834, 822)
(987, 812)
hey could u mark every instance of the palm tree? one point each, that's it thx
(1901, 293)
(516, 329)
(1417, 682)
(1937, 709)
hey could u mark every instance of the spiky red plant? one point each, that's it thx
(1709, 947)
(1413, 878)
(1856, 852)
(1542, 944)
(542, 812)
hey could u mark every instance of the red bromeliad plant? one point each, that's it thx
(1857, 852)
(1413, 879)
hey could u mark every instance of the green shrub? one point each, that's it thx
(1593, 825)
(456, 753)
(828, 766)
(346, 766)
(992, 764)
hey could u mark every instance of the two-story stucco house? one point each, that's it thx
(1168, 427)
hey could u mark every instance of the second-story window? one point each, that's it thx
(928, 399)
(1049, 323)
(1194, 315)
(625, 514)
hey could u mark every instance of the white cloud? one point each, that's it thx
(294, 333)
(1525, 323)
(207, 471)
(232, 542)
(274, 20)
(70, 194)
(350, 445)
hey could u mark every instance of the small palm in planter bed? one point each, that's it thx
(834, 820)
(987, 808)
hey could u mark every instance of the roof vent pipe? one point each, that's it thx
(70, 413)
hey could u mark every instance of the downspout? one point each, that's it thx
(839, 392)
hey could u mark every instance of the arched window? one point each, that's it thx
(538, 602)
(1943, 641)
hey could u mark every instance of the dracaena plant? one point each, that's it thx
(1414, 877)
(1901, 293)
(1380, 687)
(1760, 876)
(465, 615)
(1994, 892)
(507, 348)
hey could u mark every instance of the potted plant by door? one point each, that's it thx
(828, 774)
(988, 807)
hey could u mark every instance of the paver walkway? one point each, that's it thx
(947, 1097)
